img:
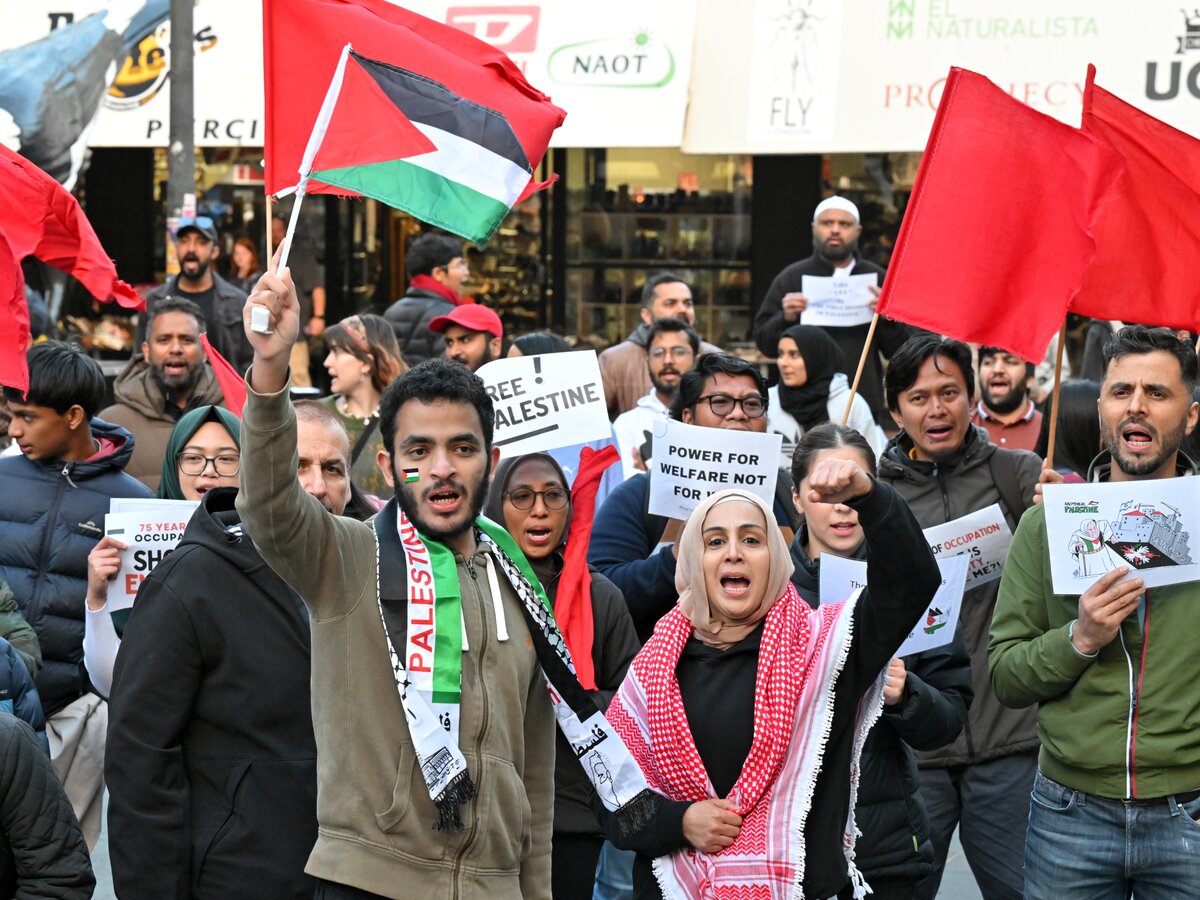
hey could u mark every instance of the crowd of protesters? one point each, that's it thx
(345, 681)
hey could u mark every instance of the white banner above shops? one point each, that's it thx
(619, 68)
(833, 76)
(62, 46)
(750, 76)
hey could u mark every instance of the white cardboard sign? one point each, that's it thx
(545, 402)
(149, 535)
(984, 536)
(691, 462)
(840, 577)
(838, 302)
(1149, 526)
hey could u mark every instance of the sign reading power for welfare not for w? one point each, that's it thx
(690, 463)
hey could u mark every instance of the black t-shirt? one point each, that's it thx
(203, 299)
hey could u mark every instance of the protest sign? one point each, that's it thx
(1094, 528)
(691, 462)
(545, 402)
(149, 535)
(838, 301)
(841, 577)
(983, 535)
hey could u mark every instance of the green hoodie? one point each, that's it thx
(1125, 724)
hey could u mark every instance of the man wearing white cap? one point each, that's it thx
(835, 231)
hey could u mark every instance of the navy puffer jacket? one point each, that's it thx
(51, 516)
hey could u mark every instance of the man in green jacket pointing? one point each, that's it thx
(1117, 795)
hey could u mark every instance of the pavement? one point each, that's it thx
(957, 883)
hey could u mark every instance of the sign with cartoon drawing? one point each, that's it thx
(1150, 526)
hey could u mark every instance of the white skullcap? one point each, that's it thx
(836, 203)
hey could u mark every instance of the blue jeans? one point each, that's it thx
(614, 874)
(1083, 847)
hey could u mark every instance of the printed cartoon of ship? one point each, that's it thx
(1150, 535)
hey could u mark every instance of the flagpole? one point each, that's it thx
(862, 362)
(259, 319)
(1058, 361)
(314, 144)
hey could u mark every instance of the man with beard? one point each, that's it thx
(1116, 800)
(835, 231)
(474, 334)
(623, 366)
(945, 468)
(1005, 409)
(211, 764)
(220, 303)
(671, 351)
(421, 792)
(170, 378)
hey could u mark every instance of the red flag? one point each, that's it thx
(303, 40)
(232, 385)
(1148, 230)
(14, 319)
(996, 237)
(573, 600)
(42, 219)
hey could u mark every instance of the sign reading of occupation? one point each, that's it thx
(1149, 526)
(149, 533)
(691, 462)
(544, 402)
(838, 301)
(984, 536)
(841, 577)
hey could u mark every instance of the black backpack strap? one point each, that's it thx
(363, 439)
(1003, 466)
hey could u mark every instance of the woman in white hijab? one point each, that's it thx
(747, 709)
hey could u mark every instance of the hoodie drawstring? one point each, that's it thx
(497, 604)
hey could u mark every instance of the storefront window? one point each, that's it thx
(635, 212)
(880, 184)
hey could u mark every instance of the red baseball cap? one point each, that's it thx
(473, 317)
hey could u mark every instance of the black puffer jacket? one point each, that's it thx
(211, 762)
(410, 317)
(42, 851)
(51, 516)
(895, 840)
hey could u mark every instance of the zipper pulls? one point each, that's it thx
(66, 473)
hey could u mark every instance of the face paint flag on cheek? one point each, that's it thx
(410, 475)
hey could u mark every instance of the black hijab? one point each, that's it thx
(809, 403)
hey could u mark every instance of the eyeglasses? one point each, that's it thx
(676, 352)
(523, 498)
(196, 463)
(754, 406)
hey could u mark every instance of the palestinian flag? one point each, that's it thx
(411, 475)
(441, 157)
(419, 115)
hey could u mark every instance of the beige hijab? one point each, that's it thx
(689, 573)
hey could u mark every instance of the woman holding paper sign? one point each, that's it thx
(926, 695)
(744, 707)
(813, 389)
(203, 452)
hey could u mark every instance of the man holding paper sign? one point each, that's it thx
(835, 233)
(1117, 796)
(973, 493)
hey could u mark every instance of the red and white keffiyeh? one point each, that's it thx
(802, 652)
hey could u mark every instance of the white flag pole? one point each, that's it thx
(259, 317)
(314, 144)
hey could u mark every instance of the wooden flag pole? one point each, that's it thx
(862, 364)
(1058, 358)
